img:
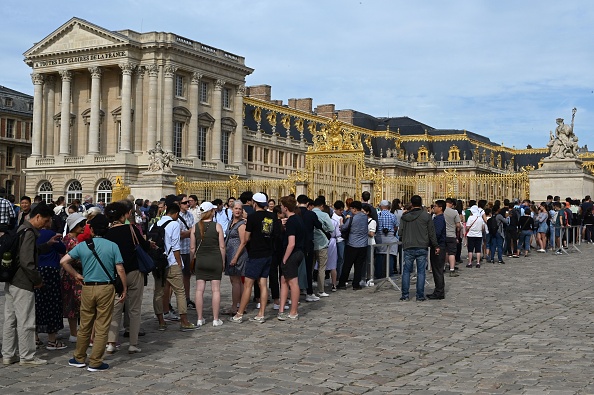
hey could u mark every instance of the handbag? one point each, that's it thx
(117, 283)
(145, 262)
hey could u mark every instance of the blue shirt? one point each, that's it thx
(440, 229)
(109, 253)
(359, 229)
(386, 220)
(172, 238)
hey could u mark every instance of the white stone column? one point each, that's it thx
(194, 108)
(126, 114)
(50, 85)
(37, 114)
(138, 110)
(238, 113)
(65, 113)
(95, 110)
(167, 135)
(151, 136)
(217, 106)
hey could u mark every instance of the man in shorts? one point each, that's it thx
(453, 226)
(259, 232)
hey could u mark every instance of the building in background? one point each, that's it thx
(16, 115)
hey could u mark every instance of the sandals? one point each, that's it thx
(38, 343)
(57, 345)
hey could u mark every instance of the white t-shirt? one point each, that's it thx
(371, 227)
(475, 225)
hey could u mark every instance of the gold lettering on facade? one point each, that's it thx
(80, 59)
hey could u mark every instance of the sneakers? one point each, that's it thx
(258, 305)
(501, 262)
(110, 349)
(236, 319)
(282, 316)
(324, 295)
(57, 345)
(162, 327)
(72, 339)
(258, 319)
(541, 250)
(404, 299)
(76, 364)
(453, 273)
(218, 322)
(33, 362)
(200, 322)
(170, 316)
(190, 304)
(311, 298)
(133, 350)
(187, 327)
(277, 307)
(293, 317)
(334, 288)
(10, 360)
(99, 368)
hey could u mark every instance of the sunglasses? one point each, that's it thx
(186, 202)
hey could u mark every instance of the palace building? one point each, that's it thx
(158, 112)
(16, 115)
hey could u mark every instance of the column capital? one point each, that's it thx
(196, 76)
(95, 72)
(49, 80)
(140, 70)
(37, 78)
(170, 70)
(66, 75)
(240, 90)
(153, 70)
(219, 84)
(127, 68)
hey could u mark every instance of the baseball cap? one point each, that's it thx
(384, 203)
(75, 219)
(260, 198)
(206, 206)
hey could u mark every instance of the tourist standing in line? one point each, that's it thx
(438, 258)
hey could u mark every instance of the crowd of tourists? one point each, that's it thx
(89, 263)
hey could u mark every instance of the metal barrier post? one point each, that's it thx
(387, 279)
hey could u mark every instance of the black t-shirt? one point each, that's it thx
(585, 206)
(294, 227)
(310, 222)
(261, 228)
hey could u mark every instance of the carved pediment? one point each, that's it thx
(75, 35)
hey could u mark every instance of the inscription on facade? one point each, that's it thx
(81, 58)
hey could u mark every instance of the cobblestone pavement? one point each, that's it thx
(520, 328)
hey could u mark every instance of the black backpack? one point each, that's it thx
(9, 252)
(492, 225)
(514, 218)
(157, 235)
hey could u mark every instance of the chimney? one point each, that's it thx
(304, 104)
(262, 92)
(325, 110)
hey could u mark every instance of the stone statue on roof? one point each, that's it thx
(564, 143)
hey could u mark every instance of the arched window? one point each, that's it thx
(46, 191)
(423, 154)
(74, 191)
(104, 191)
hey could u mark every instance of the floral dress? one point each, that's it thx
(71, 291)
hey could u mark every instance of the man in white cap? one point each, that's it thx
(259, 231)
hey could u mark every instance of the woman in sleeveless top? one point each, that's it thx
(236, 254)
(207, 247)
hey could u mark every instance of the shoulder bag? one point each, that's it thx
(145, 262)
(117, 282)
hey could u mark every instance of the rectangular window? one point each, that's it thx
(104, 195)
(225, 146)
(10, 128)
(119, 142)
(177, 139)
(204, 92)
(30, 106)
(250, 153)
(179, 86)
(202, 143)
(281, 158)
(9, 185)
(8, 102)
(266, 153)
(9, 156)
(227, 98)
(295, 160)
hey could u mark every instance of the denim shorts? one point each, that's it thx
(258, 268)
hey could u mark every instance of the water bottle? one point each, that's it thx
(7, 259)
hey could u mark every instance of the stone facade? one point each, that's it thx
(123, 92)
(16, 116)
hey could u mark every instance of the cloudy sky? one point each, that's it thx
(505, 69)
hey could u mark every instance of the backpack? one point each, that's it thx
(492, 225)
(514, 218)
(157, 235)
(9, 252)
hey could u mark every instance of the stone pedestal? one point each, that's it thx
(562, 177)
(300, 188)
(154, 186)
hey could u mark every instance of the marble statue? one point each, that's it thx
(159, 160)
(564, 143)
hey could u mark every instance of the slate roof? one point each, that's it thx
(20, 102)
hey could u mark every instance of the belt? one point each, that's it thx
(97, 282)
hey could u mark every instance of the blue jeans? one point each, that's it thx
(525, 240)
(496, 242)
(340, 257)
(380, 265)
(410, 255)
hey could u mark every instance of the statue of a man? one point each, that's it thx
(563, 144)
